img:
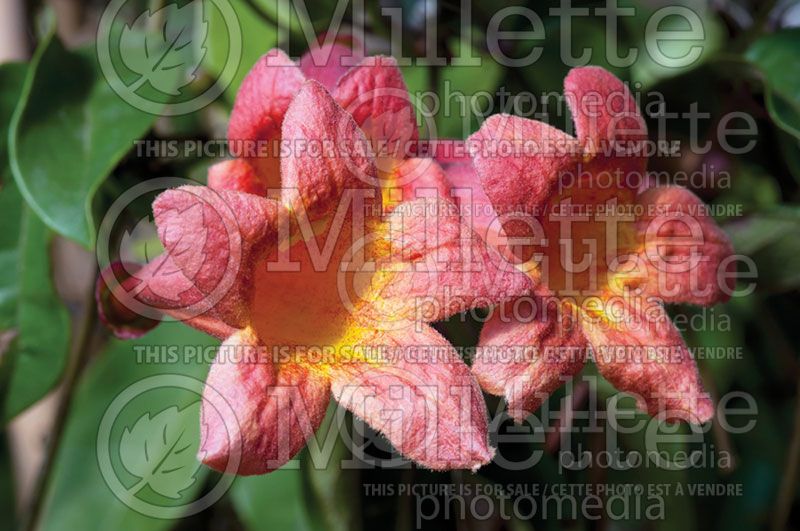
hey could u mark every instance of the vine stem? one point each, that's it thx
(79, 354)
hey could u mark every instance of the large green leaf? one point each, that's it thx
(12, 76)
(68, 132)
(38, 355)
(30, 310)
(257, 35)
(78, 496)
(777, 56)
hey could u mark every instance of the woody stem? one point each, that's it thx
(77, 360)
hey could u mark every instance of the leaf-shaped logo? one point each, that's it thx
(168, 59)
(185, 238)
(140, 244)
(160, 451)
(390, 133)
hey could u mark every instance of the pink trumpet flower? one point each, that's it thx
(319, 291)
(604, 253)
(372, 92)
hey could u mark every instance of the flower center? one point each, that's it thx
(588, 231)
(307, 297)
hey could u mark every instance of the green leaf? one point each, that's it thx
(760, 230)
(37, 357)
(271, 501)
(712, 336)
(772, 240)
(260, 37)
(161, 452)
(458, 113)
(779, 264)
(417, 78)
(331, 491)
(753, 189)
(663, 449)
(68, 132)
(314, 497)
(12, 77)
(154, 55)
(78, 496)
(777, 56)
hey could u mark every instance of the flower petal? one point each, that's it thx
(520, 162)
(606, 115)
(638, 349)
(296, 286)
(435, 266)
(132, 298)
(258, 112)
(683, 249)
(235, 175)
(423, 399)
(477, 211)
(113, 303)
(277, 408)
(447, 150)
(413, 178)
(527, 351)
(215, 239)
(328, 153)
(375, 94)
(329, 62)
